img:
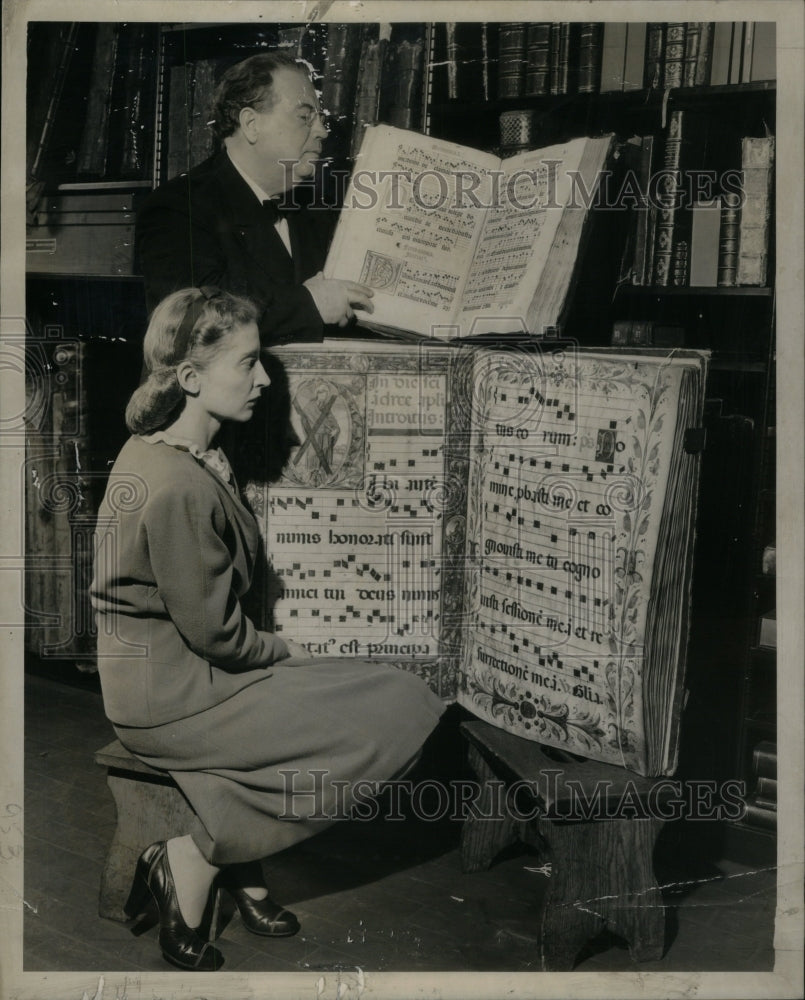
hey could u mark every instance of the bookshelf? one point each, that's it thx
(445, 81)
(727, 668)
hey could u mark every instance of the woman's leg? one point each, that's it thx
(248, 876)
(174, 876)
(260, 914)
(193, 877)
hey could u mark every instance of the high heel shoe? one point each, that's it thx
(260, 916)
(181, 945)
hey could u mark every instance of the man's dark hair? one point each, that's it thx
(247, 84)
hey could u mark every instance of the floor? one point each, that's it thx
(381, 895)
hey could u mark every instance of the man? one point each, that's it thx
(222, 223)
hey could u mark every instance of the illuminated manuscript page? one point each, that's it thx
(412, 217)
(569, 468)
(354, 528)
(519, 232)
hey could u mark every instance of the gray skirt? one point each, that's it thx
(282, 759)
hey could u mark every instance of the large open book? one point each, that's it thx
(514, 525)
(456, 242)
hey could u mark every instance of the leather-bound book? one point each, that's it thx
(94, 149)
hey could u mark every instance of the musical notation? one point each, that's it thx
(556, 489)
(361, 568)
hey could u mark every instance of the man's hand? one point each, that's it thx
(337, 299)
(296, 650)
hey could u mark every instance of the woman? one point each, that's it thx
(250, 727)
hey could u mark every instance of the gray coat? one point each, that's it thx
(176, 550)
(195, 689)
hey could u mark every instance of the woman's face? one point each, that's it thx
(231, 382)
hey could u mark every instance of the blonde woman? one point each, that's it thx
(189, 683)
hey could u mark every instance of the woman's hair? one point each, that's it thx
(247, 84)
(187, 325)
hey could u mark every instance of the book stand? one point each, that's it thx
(587, 817)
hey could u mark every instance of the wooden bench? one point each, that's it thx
(150, 807)
(602, 873)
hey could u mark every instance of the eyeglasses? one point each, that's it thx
(309, 116)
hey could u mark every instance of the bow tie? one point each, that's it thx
(275, 210)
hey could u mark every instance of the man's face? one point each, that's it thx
(291, 128)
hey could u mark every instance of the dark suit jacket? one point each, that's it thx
(207, 227)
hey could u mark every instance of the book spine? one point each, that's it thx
(746, 55)
(765, 819)
(757, 160)
(343, 55)
(736, 52)
(367, 98)
(94, 150)
(674, 58)
(179, 90)
(680, 260)
(634, 64)
(488, 63)
(641, 332)
(201, 137)
(693, 38)
(722, 49)
(405, 75)
(764, 51)
(589, 62)
(704, 56)
(644, 234)
(704, 241)
(655, 47)
(728, 240)
(765, 802)
(766, 788)
(312, 48)
(668, 198)
(471, 59)
(621, 331)
(563, 78)
(512, 59)
(613, 57)
(554, 58)
(634, 333)
(764, 759)
(134, 160)
(452, 61)
(537, 82)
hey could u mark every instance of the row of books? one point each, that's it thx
(190, 89)
(373, 73)
(692, 54)
(646, 333)
(686, 233)
(542, 58)
(191, 86)
(761, 805)
(367, 73)
(93, 120)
